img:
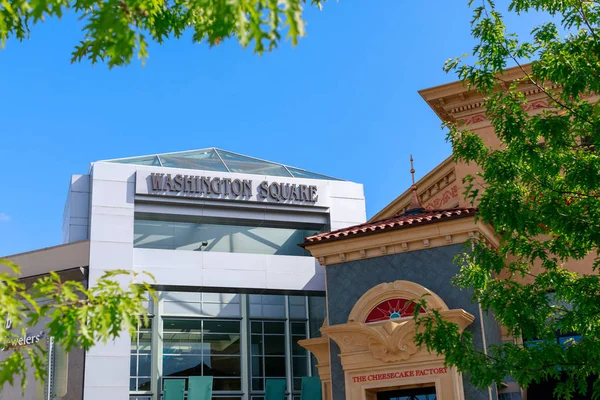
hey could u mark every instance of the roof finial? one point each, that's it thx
(412, 170)
(415, 205)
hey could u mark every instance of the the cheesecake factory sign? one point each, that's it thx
(228, 188)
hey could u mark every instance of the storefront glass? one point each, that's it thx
(141, 359)
(202, 334)
(197, 347)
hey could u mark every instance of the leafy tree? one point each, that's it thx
(75, 317)
(541, 193)
(115, 30)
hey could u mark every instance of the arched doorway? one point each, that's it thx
(378, 354)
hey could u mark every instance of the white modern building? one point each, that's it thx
(220, 232)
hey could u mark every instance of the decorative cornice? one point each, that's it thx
(402, 241)
(319, 347)
(454, 102)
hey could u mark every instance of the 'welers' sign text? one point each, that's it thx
(230, 188)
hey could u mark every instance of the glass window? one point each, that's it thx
(198, 347)
(140, 367)
(300, 360)
(297, 307)
(223, 305)
(222, 238)
(267, 306)
(267, 352)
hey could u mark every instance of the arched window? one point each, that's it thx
(392, 309)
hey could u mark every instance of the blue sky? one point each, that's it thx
(343, 103)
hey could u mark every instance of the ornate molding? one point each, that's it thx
(433, 190)
(388, 342)
(319, 347)
(443, 201)
(400, 241)
(398, 289)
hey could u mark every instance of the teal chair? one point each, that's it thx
(311, 388)
(174, 389)
(200, 387)
(275, 389)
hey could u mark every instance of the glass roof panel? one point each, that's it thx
(145, 160)
(201, 159)
(300, 173)
(212, 159)
(248, 165)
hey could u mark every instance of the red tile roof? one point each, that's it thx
(405, 220)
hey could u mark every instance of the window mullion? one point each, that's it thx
(288, 350)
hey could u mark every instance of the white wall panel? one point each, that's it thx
(117, 347)
(113, 369)
(113, 194)
(77, 233)
(234, 279)
(177, 276)
(111, 255)
(348, 210)
(112, 228)
(107, 171)
(235, 261)
(111, 246)
(231, 270)
(79, 205)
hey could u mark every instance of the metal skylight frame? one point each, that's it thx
(224, 162)
(221, 158)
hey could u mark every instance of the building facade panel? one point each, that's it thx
(210, 250)
(433, 268)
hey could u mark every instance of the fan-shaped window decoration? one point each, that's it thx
(392, 309)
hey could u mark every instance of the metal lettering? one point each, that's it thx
(188, 183)
(236, 187)
(168, 183)
(295, 193)
(247, 188)
(304, 195)
(232, 188)
(216, 189)
(313, 193)
(263, 189)
(275, 191)
(178, 183)
(157, 181)
(226, 184)
(205, 183)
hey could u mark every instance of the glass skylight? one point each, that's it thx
(203, 159)
(213, 159)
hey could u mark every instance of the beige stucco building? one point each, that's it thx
(404, 251)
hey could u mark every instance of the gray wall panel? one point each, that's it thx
(433, 268)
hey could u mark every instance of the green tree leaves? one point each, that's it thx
(75, 317)
(542, 196)
(116, 30)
